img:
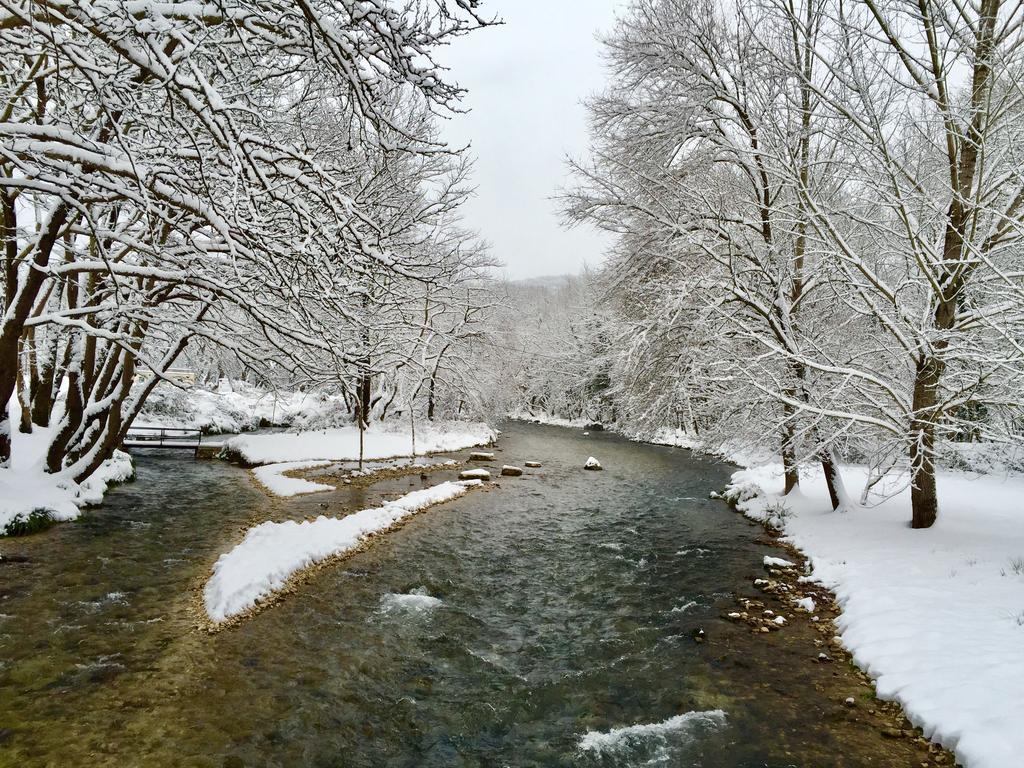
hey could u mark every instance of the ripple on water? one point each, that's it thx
(652, 744)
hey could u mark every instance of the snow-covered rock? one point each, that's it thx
(509, 471)
(533, 464)
(474, 474)
(806, 604)
(593, 464)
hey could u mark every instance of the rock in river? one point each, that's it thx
(593, 463)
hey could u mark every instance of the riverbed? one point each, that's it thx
(552, 619)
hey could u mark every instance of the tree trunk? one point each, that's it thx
(833, 479)
(923, 497)
(789, 465)
(363, 392)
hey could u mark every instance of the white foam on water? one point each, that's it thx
(685, 606)
(653, 741)
(415, 601)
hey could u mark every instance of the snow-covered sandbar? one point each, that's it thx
(935, 616)
(271, 553)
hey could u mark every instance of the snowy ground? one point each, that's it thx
(272, 477)
(935, 616)
(236, 406)
(27, 490)
(271, 553)
(382, 441)
(551, 421)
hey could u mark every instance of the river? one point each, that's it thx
(546, 622)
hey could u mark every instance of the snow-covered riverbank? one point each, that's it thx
(935, 617)
(237, 406)
(382, 441)
(30, 497)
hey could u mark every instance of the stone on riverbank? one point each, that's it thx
(533, 464)
(481, 456)
(509, 471)
(474, 474)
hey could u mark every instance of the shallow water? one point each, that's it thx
(545, 622)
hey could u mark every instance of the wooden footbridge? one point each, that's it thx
(167, 437)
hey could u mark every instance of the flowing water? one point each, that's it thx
(545, 622)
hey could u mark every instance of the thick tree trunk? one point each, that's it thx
(833, 479)
(42, 394)
(18, 310)
(923, 497)
(790, 469)
(363, 392)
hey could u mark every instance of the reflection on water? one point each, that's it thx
(547, 622)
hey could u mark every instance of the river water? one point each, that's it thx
(545, 622)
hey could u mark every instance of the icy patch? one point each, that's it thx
(652, 744)
(272, 477)
(271, 553)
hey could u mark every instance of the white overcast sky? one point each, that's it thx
(526, 81)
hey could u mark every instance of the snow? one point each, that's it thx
(936, 616)
(548, 420)
(778, 562)
(653, 741)
(237, 406)
(272, 477)
(475, 474)
(592, 463)
(806, 604)
(271, 553)
(342, 443)
(25, 486)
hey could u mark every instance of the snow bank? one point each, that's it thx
(272, 477)
(271, 553)
(27, 491)
(935, 616)
(342, 444)
(651, 742)
(548, 420)
(238, 406)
